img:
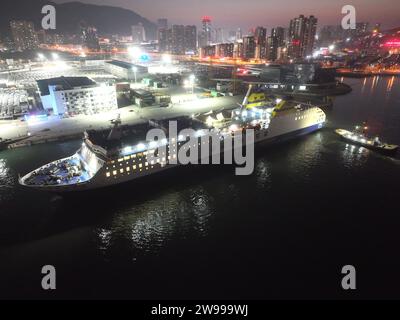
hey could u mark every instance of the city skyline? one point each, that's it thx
(268, 14)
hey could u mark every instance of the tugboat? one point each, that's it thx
(359, 137)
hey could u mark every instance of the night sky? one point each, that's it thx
(231, 14)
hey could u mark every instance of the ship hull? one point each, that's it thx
(103, 183)
(389, 150)
(283, 126)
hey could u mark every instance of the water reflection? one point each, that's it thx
(354, 156)
(390, 84)
(7, 181)
(305, 156)
(262, 171)
(363, 85)
(374, 84)
(146, 228)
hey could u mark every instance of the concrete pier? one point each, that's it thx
(56, 129)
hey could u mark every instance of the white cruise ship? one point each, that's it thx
(121, 154)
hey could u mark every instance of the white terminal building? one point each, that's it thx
(76, 95)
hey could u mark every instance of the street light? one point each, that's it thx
(55, 56)
(192, 79)
(41, 56)
(135, 52)
(135, 69)
(166, 58)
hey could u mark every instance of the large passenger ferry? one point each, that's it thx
(120, 154)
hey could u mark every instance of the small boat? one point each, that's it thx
(359, 137)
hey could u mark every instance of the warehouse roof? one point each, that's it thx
(67, 83)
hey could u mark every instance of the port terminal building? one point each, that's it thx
(69, 96)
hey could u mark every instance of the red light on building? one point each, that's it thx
(296, 42)
(206, 19)
(393, 43)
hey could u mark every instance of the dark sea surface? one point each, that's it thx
(313, 205)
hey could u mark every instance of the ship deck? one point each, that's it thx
(68, 171)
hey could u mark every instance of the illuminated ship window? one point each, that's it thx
(134, 167)
(146, 164)
(152, 162)
(121, 170)
(140, 166)
(127, 158)
(108, 174)
(128, 169)
(121, 159)
(133, 156)
(158, 160)
(115, 172)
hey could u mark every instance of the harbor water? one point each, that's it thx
(312, 206)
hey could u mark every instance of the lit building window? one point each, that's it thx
(121, 170)
(121, 159)
(115, 172)
(128, 169)
(140, 165)
(134, 167)
(108, 174)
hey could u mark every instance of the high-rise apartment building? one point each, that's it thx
(190, 39)
(162, 23)
(301, 36)
(275, 41)
(249, 47)
(24, 35)
(260, 37)
(138, 34)
(89, 37)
